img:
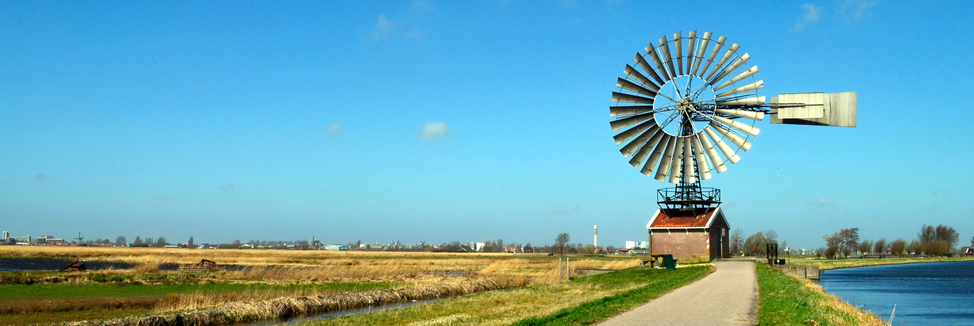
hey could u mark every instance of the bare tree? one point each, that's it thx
(561, 243)
(190, 243)
(121, 241)
(865, 246)
(880, 246)
(897, 247)
(737, 241)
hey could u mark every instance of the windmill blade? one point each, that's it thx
(624, 136)
(666, 160)
(645, 65)
(678, 40)
(658, 151)
(753, 115)
(737, 140)
(646, 149)
(743, 127)
(627, 98)
(727, 55)
(749, 87)
(638, 144)
(688, 160)
(747, 73)
(750, 101)
(728, 152)
(667, 56)
(691, 42)
(702, 167)
(638, 76)
(699, 56)
(615, 111)
(740, 61)
(651, 51)
(624, 123)
(713, 54)
(677, 164)
(711, 152)
(633, 87)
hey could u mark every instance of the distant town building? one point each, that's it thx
(336, 247)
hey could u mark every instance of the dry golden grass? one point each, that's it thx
(329, 266)
(834, 303)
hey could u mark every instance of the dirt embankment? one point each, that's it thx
(284, 308)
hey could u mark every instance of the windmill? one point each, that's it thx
(683, 116)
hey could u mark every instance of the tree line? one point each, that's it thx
(940, 240)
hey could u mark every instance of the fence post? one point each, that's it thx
(559, 269)
(568, 269)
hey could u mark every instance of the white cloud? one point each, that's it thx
(40, 177)
(821, 202)
(333, 129)
(434, 131)
(227, 188)
(811, 15)
(856, 9)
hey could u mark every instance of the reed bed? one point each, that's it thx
(287, 307)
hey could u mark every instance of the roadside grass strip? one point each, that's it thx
(595, 311)
(786, 300)
(581, 301)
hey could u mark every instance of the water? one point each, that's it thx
(340, 313)
(924, 294)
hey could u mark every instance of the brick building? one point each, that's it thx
(686, 235)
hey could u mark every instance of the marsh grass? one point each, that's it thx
(271, 269)
(786, 300)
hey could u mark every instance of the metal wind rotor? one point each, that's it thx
(682, 115)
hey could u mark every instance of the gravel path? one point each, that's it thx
(728, 296)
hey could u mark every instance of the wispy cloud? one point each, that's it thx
(852, 10)
(40, 177)
(560, 210)
(811, 15)
(333, 129)
(421, 6)
(228, 188)
(407, 24)
(434, 131)
(382, 29)
(821, 202)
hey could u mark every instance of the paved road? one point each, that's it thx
(726, 297)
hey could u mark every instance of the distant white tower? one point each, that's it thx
(596, 235)
(5, 235)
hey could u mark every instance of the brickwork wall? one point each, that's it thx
(680, 244)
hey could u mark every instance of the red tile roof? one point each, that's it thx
(663, 220)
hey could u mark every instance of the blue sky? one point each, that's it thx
(451, 120)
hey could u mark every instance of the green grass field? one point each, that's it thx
(578, 302)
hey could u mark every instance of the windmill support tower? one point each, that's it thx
(680, 117)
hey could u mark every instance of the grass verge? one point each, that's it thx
(786, 300)
(581, 301)
(594, 311)
(826, 264)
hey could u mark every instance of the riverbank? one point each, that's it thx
(827, 264)
(787, 300)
